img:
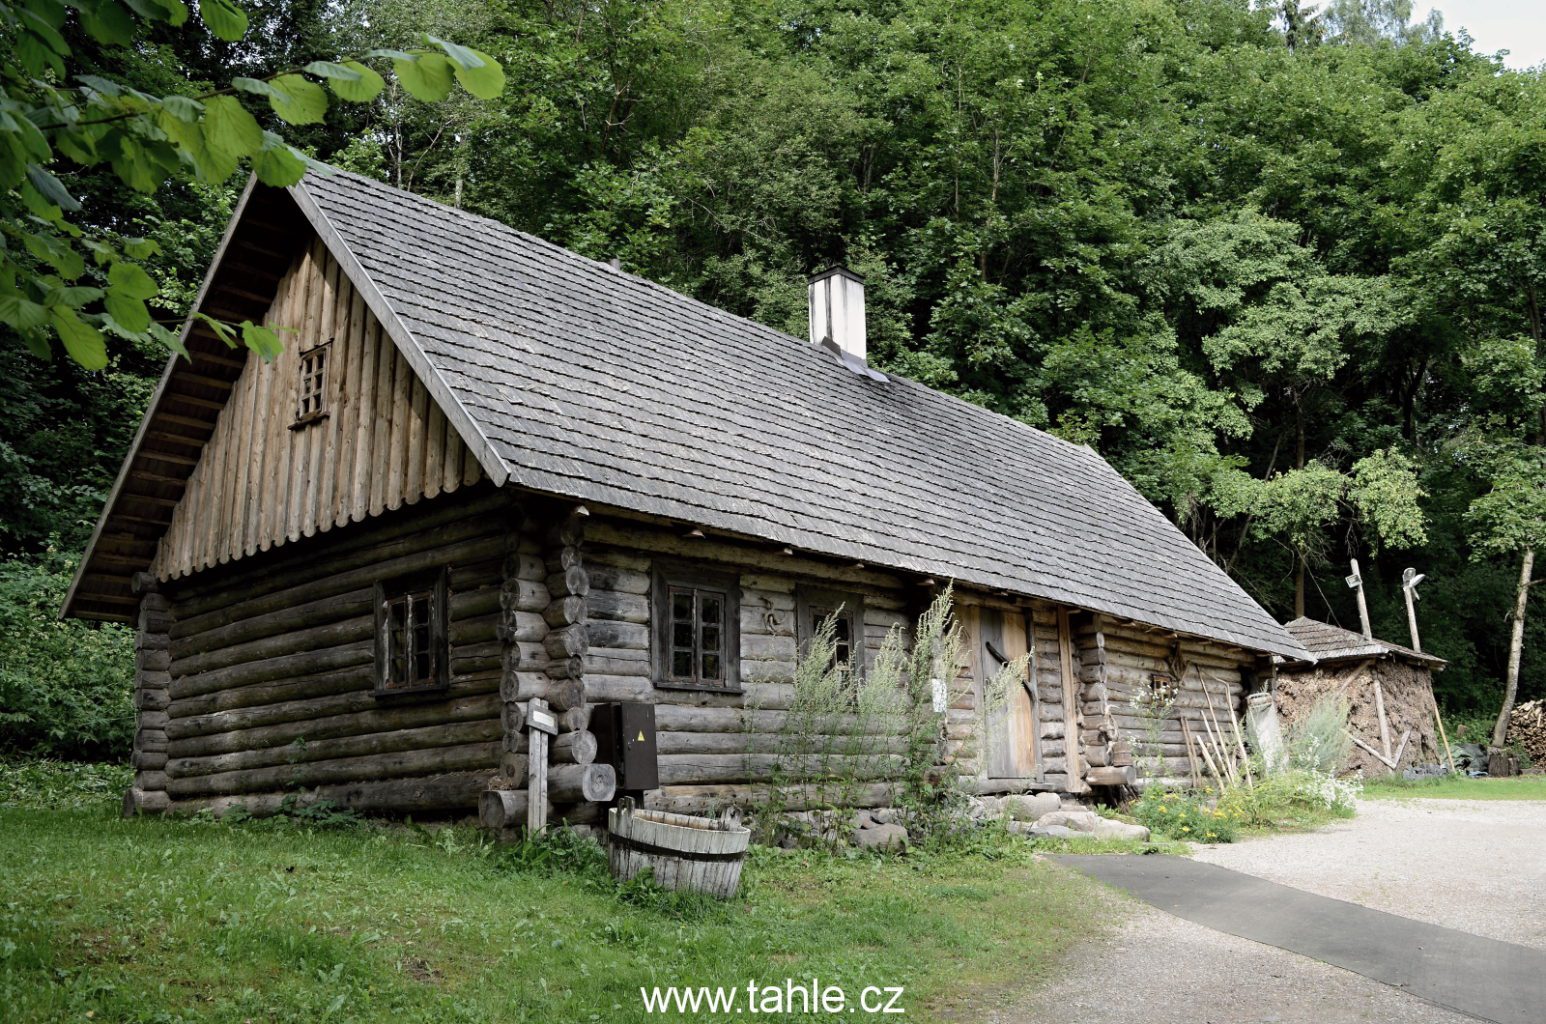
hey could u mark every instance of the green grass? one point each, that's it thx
(1520, 787)
(151, 920)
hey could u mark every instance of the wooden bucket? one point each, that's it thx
(684, 851)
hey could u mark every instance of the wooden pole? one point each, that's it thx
(1411, 616)
(540, 724)
(1356, 582)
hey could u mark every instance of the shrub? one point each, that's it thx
(65, 686)
(1294, 798)
(1184, 816)
(1319, 742)
(58, 785)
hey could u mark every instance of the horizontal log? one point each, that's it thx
(813, 744)
(152, 698)
(712, 799)
(500, 809)
(568, 642)
(345, 680)
(625, 635)
(326, 718)
(1111, 776)
(524, 565)
(513, 768)
(573, 581)
(525, 596)
(450, 795)
(679, 718)
(565, 611)
(610, 605)
(436, 760)
(573, 783)
(618, 580)
(287, 586)
(149, 761)
(232, 631)
(283, 666)
(138, 801)
(678, 769)
(390, 740)
(574, 748)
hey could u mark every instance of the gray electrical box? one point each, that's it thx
(625, 738)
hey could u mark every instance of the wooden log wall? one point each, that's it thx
(721, 748)
(147, 794)
(263, 480)
(271, 680)
(1117, 661)
(545, 628)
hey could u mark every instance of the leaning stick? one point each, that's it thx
(1191, 755)
(1207, 759)
(1215, 730)
(1440, 720)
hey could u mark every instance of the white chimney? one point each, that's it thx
(837, 317)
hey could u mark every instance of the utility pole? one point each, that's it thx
(1410, 578)
(1355, 581)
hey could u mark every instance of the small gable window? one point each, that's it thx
(813, 606)
(697, 629)
(412, 654)
(311, 405)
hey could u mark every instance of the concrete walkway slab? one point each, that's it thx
(1487, 979)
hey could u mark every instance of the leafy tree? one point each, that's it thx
(66, 279)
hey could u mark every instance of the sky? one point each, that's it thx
(1518, 26)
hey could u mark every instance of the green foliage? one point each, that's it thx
(62, 785)
(847, 726)
(65, 277)
(65, 686)
(1318, 742)
(1290, 799)
(1191, 817)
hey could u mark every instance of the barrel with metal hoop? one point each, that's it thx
(683, 851)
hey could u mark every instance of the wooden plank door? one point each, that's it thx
(1010, 723)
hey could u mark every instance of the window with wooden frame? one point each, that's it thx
(697, 617)
(814, 605)
(412, 650)
(311, 401)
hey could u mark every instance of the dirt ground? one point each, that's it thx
(1476, 866)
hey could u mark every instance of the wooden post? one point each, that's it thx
(1071, 730)
(540, 724)
(1409, 580)
(1355, 581)
(1438, 718)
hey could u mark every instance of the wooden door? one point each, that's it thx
(1010, 722)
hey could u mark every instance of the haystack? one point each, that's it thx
(1388, 687)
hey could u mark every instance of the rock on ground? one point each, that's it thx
(881, 837)
(1030, 806)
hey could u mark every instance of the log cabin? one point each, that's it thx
(486, 471)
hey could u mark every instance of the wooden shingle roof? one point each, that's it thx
(568, 377)
(1333, 643)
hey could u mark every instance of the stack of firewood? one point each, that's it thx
(1527, 727)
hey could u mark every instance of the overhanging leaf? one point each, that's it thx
(229, 130)
(362, 89)
(106, 21)
(298, 100)
(81, 340)
(262, 340)
(128, 312)
(226, 20)
(486, 81)
(427, 76)
(277, 163)
(131, 280)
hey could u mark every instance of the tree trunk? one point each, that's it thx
(1515, 647)
(1299, 582)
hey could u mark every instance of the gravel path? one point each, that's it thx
(1474, 865)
